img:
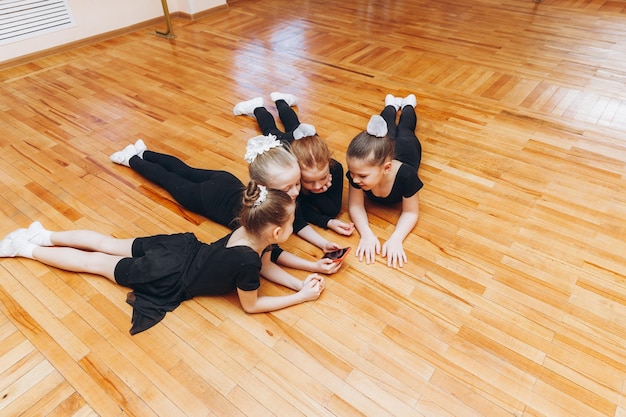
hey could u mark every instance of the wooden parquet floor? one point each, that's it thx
(514, 299)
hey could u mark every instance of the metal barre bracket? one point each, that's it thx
(170, 32)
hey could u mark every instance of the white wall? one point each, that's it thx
(96, 17)
(195, 6)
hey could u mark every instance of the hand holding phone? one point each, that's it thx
(337, 255)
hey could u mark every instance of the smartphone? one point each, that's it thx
(337, 255)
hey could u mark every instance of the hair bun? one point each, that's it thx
(262, 196)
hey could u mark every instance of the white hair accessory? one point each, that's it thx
(259, 144)
(304, 130)
(262, 196)
(377, 126)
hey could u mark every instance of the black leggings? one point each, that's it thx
(408, 148)
(213, 194)
(288, 117)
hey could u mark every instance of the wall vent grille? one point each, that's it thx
(21, 19)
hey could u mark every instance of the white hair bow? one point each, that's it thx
(377, 126)
(259, 144)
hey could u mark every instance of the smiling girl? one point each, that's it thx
(382, 166)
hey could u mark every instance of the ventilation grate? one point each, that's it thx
(20, 19)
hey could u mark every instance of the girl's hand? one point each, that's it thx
(312, 287)
(395, 254)
(369, 247)
(327, 266)
(330, 246)
(340, 227)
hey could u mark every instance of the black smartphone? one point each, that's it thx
(337, 255)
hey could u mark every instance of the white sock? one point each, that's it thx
(37, 234)
(289, 98)
(25, 249)
(6, 248)
(140, 146)
(392, 101)
(303, 130)
(247, 107)
(42, 238)
(10, 248)
(409, 100)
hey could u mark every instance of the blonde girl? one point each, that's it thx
(216, 194)
(320, 201)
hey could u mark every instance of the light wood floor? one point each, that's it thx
(513, 302)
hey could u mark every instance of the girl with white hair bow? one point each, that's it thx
(216, 194)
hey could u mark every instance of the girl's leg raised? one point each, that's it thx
(389, 114)
(408, 146)
(266, 122)
(287, 115)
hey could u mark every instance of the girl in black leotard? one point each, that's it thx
(216, 194)
(321, 176)
(165, 270)
(382, 166)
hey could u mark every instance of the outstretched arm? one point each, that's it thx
(307, 290)
(310, 235)
(322, 266)
(369, 245)
(274, 273)
(251, 302)
(393, 249)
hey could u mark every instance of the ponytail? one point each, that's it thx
(374, 150)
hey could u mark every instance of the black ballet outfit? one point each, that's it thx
(287, 116)
(319, 209)
(316, 209)
(165, 270)
(214, 194)
(407, 149)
